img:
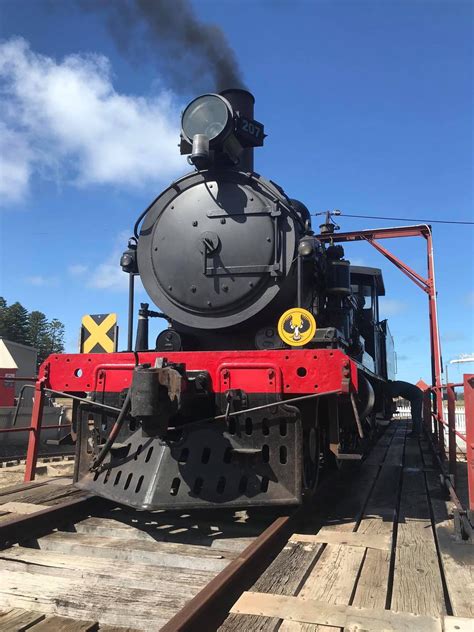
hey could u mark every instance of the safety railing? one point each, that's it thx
(441, 424)
(35, 427)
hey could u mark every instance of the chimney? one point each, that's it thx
(242, 101)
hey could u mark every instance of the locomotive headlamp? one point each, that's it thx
(305, 247)
(210, 115)
(219, 130)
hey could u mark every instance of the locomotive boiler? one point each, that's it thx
(273, 361)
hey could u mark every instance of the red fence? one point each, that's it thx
(435, 425)
(34, 429)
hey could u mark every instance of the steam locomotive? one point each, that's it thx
(273, 362)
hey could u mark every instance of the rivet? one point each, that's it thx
(209, 303)
(225, 288)
(193, 288)
(170, 288)
(223, 220)
(269, 239)
(251, 284)
(195, 223)
(172, 207)
(210, 186)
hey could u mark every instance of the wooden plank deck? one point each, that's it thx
(378, 553)
(119, 568)
(424, 580)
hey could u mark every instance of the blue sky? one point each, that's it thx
(368, 108)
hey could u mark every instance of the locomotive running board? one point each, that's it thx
(250, 461)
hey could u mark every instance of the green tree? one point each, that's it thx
(3, 311)
(38, 334)
(55, 336)
(32, 328)
(15, 323)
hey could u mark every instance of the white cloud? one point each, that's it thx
(42, 281)
(108, 275)
(15, 164)
(391, 306)
(66, 117)
(77, 270)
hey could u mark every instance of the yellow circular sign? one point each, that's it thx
(296, 326)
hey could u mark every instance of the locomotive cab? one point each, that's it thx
(367, 286)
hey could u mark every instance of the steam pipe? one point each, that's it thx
(299, 301)
(131, 293)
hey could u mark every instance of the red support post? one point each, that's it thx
(469, 407)
(452, 432)
(436, 366)
(35, 431)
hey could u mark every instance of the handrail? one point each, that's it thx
(435, 424)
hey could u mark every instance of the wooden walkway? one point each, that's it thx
(377, 554)
(380, 556)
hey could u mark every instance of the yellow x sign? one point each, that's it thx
(98, 333)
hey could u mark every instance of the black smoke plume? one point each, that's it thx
(194, 55)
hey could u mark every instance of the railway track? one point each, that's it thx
(50, 457)
(374, 543)
(79, 556)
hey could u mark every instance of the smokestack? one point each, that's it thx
(242, 101)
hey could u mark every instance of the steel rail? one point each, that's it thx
(32, 526)
(28, 428)
(208, 609)
(44, 455)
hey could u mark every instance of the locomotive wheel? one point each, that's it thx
(311, 460)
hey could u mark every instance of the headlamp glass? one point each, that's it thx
(305, 247)
(207, 115)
